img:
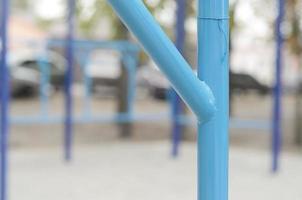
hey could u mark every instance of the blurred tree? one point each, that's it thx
(99, 9)
(120, 32)
(294, 41)
(233, 26)
(20, 4)
(294, 37)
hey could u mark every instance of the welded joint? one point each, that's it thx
(201, 119)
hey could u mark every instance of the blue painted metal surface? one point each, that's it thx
(277, 127)
(4, 95)
(235, 123)
(129, 52)
(213, 59)
(44, 83)
(194, 92)
(83, 48)
(129, 55)
(68, 131)
(261, 125)
(213, 69)
(177, 106)
(85, 61)
(119, 45)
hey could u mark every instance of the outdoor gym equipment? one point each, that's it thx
(82, 50)
(4, 95)
(213, 70)
(207, 96)
(177, 105)
(274, 125)
(277, 127)
(68, 128)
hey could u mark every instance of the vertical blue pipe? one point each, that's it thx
(5, 96)
(213, 68)
(276, 133)
(44, 83)
(68, 136)
(85, 59)
(177, 108)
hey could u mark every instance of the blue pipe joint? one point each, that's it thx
(141, 23)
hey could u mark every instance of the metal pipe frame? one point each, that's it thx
(177, 105)
(213, 69)
(5, 96)
(155, 42)
(277, 107)
(68, 126)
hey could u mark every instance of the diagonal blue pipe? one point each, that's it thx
(155, 42)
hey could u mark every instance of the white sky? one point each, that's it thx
(49, 9)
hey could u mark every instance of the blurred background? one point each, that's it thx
(124, 116)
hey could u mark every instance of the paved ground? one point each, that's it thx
(140, 168)
(144, 170)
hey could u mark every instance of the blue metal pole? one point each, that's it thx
(5, 97)
(213, 68)
(195, 93)
(68, 137)
(277, 127)
(44, 83)
(85, 59)
(177, 108)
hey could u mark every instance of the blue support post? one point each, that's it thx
(177, 106)
(84, 60)
(5, 97)
(213, 68)
(68, 134)
(277, 127)
(194, 92)
(45, 69)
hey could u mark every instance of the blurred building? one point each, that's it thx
(23, 29)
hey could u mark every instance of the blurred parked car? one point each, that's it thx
(24, 67)
(149, 76)
(104, 68)
(242, 83)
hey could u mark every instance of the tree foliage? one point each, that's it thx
(294, 37)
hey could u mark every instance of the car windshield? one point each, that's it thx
(36, 65)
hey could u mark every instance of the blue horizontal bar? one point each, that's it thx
(120, 45)
(103, 118)
(235, 123)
